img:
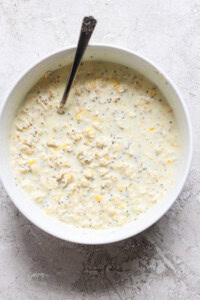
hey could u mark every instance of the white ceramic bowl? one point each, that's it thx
(27, 206)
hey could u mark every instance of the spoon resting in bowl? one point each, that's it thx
(87, 29)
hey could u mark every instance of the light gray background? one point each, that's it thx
(161, 263)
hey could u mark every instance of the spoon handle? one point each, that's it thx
(87, 29)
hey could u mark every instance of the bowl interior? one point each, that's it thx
(27, 206)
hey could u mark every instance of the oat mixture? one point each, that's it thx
(108, 159)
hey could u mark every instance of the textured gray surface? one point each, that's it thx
(161, 263)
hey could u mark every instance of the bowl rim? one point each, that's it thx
(125, 235)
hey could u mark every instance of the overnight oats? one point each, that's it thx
(109, 158)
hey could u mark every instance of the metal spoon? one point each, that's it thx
(87, 29)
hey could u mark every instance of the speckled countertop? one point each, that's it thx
(161, 263)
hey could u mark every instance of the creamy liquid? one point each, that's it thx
(108, 159)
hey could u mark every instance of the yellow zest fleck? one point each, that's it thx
(47, 213)
(47, 182)
(78, 117)
(122, 206)
(120, 188)
(90, 130)
(153, 93)
(31, 162)
(75, 218)
(151, 129)
(89, 141)
(169, 161)
(112, 213)
(130, 186)
(118, 89)
(55, 149)
(162, 126)
(63, 145)
(101, 138)
(83, 112)
(98, 119)
(124, 104)
(107, 158)
(142, 122)
(172, 181)
(98, 198)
